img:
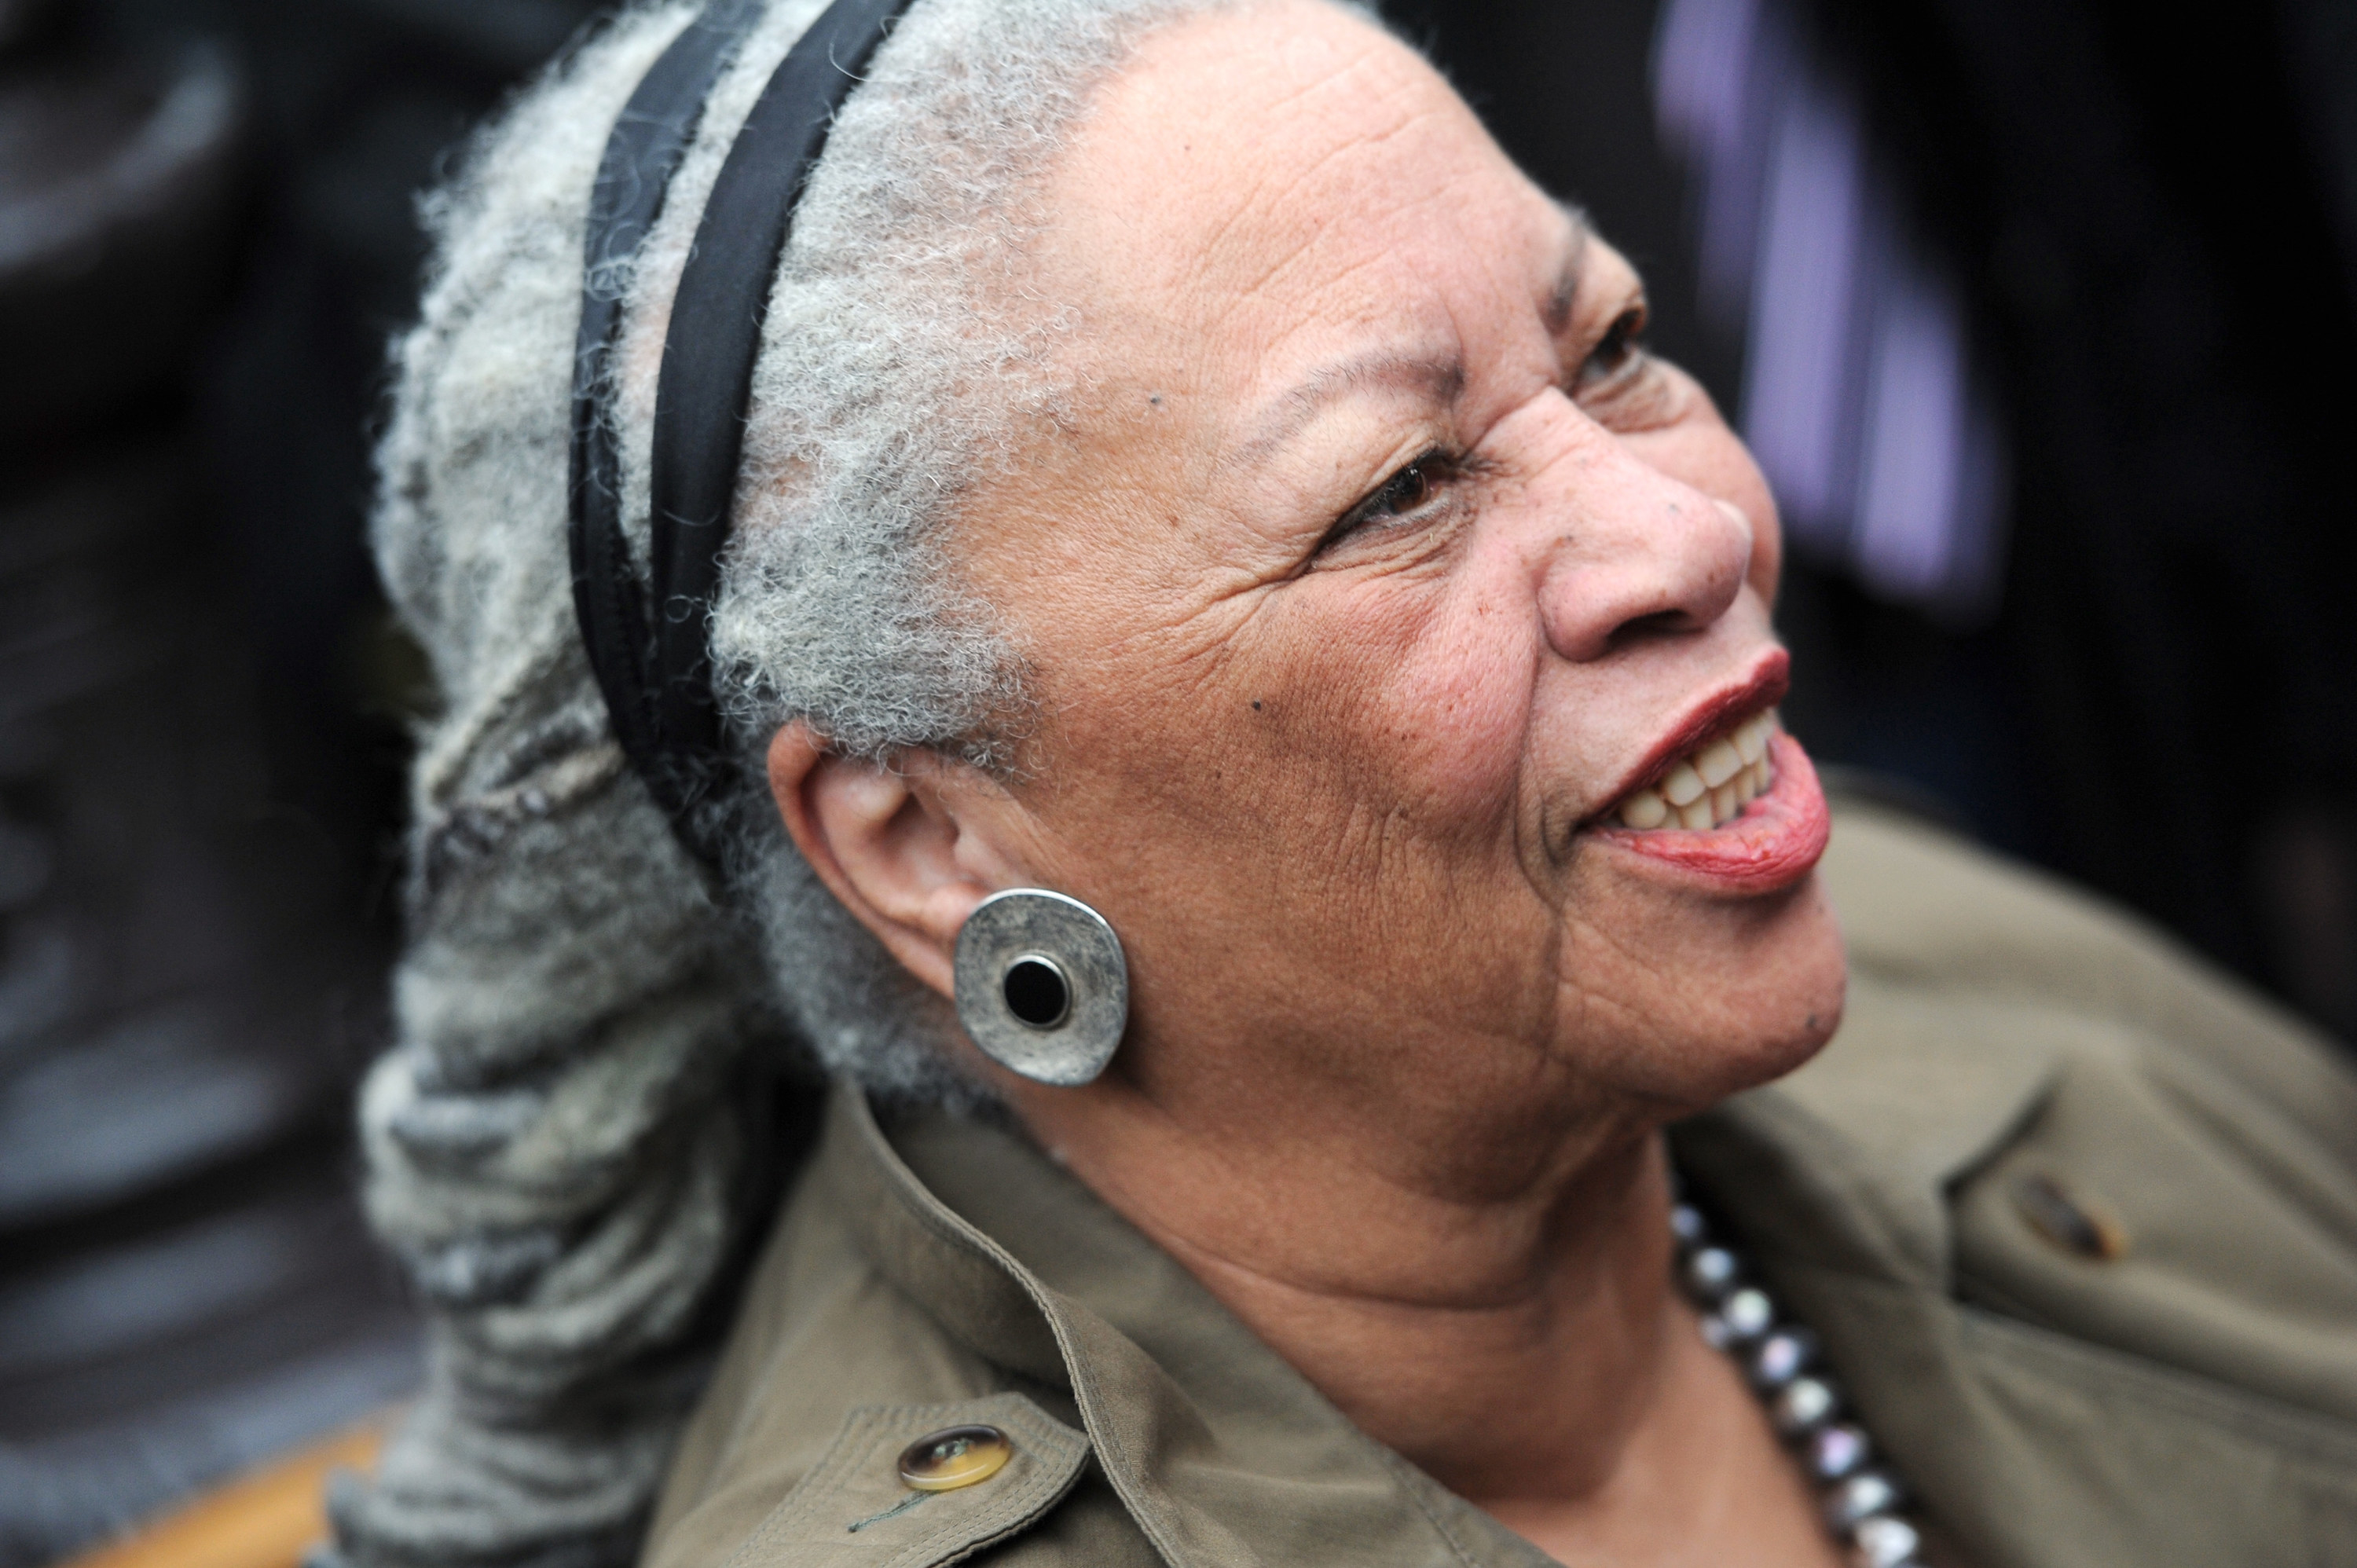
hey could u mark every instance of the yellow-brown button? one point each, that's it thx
(955, 1456)
(2073, 1223)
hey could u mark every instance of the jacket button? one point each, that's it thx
(954, 1456)
(2081, 1228)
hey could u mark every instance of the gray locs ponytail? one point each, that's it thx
(568, 1143)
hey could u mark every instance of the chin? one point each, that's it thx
(1764, 1055)
(1779, 1001)
(1705, 1000)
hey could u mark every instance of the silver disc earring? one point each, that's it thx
(1042, 987)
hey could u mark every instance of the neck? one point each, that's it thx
(1503, 1318)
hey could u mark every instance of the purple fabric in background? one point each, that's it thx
(1860, 397)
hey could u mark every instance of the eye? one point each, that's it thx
(1405, 493)
(1620, 347)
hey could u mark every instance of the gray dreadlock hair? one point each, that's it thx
(565, 1144)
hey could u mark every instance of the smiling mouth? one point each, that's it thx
(1710, 786)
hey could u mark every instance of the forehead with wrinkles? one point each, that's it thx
(1281, 163)
(1263, 184)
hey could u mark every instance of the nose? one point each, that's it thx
(1628, 551)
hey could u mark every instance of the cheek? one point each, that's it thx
(1347, 738)
(1415, 695)
(1367, 803)
(1777, 977)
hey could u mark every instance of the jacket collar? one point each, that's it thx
(1220, 1449)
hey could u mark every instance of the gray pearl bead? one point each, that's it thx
(1866, 1493)
(1883, 1541)
(1782, 1357)
(1710, 1273)
(1748, 1312)
(1836, 1450)
(1801, 1405)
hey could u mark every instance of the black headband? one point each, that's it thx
(656, 672)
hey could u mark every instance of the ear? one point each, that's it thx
(909, 849)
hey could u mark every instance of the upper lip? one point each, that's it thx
(1708, 716)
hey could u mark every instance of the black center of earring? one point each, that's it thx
(1037, 992)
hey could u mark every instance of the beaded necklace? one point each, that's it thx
(1778, 1357)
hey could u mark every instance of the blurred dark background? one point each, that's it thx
(2040, 314)
(206, 236)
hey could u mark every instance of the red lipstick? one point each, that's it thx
(1774, 844)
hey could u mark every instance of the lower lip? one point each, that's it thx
(1772, 845)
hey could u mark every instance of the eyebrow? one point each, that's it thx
(1440, 377)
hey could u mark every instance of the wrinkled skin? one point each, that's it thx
(1369, 568)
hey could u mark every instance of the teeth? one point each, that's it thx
(1712, 787)
(1644, 810)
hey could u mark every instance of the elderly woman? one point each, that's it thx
(1110, 577)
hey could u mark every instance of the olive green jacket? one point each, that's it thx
(2148, 1356)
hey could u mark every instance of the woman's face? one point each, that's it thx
(1373, 567)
